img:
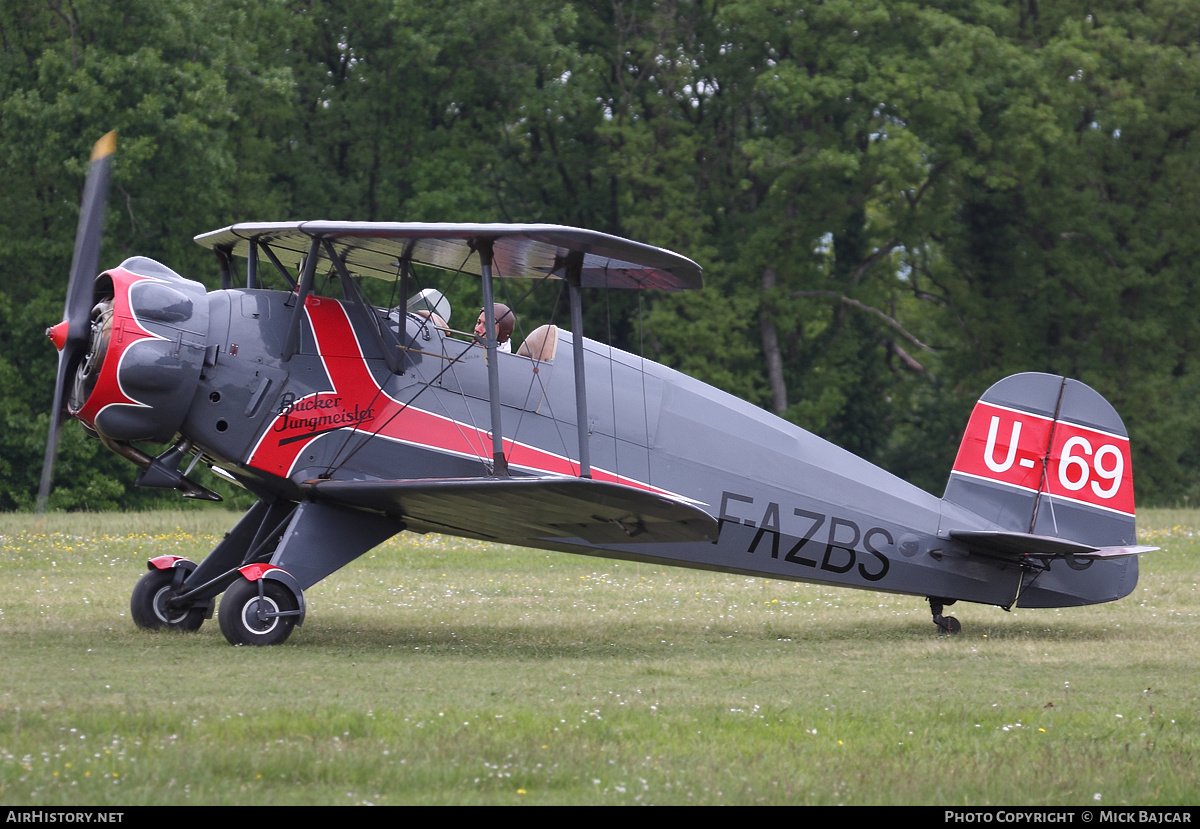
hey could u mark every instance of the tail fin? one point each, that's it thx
(1047, 456)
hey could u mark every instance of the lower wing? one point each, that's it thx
(513, 510)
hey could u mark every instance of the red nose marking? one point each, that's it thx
(58, 334)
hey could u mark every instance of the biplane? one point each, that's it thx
(351, 422)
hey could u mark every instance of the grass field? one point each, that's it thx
(437, 671)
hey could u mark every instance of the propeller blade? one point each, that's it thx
(86, 261)
(56, 421)
(77, 313)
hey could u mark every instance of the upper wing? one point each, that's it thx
(519, 510)
(519, 250)
(1016, 545)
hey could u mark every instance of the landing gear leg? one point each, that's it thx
(946, 625)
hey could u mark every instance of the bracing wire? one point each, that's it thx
(535, 377)
(365, 440)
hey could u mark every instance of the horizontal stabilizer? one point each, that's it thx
(514, 510)
(1018, 544)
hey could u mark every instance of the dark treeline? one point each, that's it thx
(895, 203)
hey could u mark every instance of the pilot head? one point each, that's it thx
(505, 320)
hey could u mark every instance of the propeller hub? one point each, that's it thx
(58, 334)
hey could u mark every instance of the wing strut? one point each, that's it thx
(391, 356)
(404, 268)
(287, 277)
(292, 344)
(574, 277)
(225, 258)
(484, 248)
(252, 265)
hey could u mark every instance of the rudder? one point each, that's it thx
(1047, 455)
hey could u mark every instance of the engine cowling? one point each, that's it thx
(149, 332)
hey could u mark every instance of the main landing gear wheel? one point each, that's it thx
(946, 625)
(148, 605)
(250, 619)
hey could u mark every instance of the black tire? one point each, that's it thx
(239, 614)
(147, 605)
(953, 627)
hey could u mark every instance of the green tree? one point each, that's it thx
(895, 204)
(1074, 252)
(174, 81)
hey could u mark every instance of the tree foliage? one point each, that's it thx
(895, 203)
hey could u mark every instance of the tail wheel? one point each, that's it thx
(248, 618)
(148, 605)
(946, 625)
(949, 626)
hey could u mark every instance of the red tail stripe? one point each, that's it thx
(1035, 453)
